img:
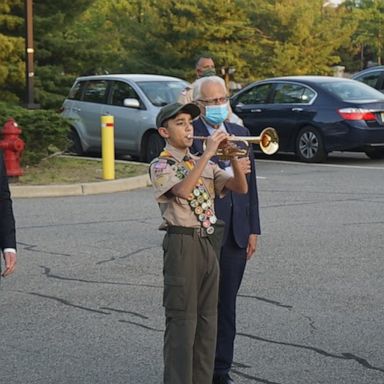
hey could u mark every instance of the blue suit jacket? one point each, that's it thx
(240, 209)
(7, 221)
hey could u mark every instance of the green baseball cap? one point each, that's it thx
(171, 110)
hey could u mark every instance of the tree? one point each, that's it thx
(369, 35)
(299, 36)
(12, 68)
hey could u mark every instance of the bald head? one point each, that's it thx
(208, 85)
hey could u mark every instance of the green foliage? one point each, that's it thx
(258, 38)
(11, 51)
(43, 131)
(369, 35)
(300, 37)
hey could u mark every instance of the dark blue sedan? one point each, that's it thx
(315, 115)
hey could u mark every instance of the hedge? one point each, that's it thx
(44, 131)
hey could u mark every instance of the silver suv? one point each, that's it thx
(133, 100)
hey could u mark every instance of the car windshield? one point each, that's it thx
(161, 93)
(351, 90)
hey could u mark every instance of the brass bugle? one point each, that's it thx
(268, 140)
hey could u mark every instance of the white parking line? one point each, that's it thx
(321, 164)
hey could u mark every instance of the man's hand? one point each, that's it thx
(251, 247)
(10, 263)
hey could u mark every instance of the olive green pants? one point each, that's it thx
(191, 276)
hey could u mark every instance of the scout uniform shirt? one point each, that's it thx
(197, 211)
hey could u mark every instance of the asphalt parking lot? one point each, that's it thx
(84, 304)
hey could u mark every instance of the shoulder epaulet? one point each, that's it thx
(162, 159)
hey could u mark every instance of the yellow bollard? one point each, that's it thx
(108, 147)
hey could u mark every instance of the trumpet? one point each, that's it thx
(268, 141)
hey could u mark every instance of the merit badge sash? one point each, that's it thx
(199, 200)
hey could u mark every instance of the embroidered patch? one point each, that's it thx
(161, 164)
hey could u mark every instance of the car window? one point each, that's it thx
(256, 95)
(121, 91)
(162, 93)
(76, 91)
(95, 91)
(293, 94)
(352, 90)
(369, 78)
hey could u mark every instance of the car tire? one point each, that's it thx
(75, 143)
(310, 146)
(155, 144)
(375, 153)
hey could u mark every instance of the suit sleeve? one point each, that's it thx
(253, 199)
(7, 220)
(254, 217)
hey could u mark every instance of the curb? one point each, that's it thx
(121, 185)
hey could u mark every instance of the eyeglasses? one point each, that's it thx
(219, 100)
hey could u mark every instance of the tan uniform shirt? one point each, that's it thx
(186, 95)
(168, 171)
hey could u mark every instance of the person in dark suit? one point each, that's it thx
(239, 212)
(7, 223)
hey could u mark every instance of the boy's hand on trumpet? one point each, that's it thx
(244, 164)
(216, 140)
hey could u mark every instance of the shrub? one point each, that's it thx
(44, 131)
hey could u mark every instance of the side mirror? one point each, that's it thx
(238, 107)
(131, 103)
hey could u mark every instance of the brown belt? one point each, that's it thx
(200, 231)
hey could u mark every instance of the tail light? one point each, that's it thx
(356, 114)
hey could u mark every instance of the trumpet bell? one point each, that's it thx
(269, 141)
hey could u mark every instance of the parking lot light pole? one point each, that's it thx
(29, 51)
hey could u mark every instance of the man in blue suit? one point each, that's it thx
(7, 224)
(239, 212)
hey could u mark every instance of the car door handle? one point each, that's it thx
(256, 110)
(297, 109)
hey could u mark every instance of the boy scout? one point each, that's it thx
(185, 188)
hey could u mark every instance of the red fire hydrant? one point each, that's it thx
(12, 146)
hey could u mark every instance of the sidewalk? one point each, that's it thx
(120, 185)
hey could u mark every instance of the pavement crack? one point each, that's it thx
(33, 248)
(47, 272)
(343, 356)
(240, 365)
(124, 311)
(277, 303)
(66, 302)
(125, 256)
(141, 325)
(311, 323)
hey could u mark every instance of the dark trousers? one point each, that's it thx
(191, 280)
(232, 266)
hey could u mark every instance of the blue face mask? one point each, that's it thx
(216, 114)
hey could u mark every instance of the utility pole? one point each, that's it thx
(29, 51)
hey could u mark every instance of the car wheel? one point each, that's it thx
(310, 146)
(155, 144)
(75, 143)
(375, 153)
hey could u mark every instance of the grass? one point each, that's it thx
(68, 170)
